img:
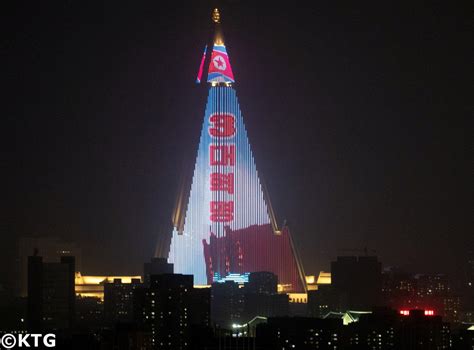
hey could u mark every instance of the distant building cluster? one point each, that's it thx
(401, 290)
(356, 305)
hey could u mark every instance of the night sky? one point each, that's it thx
(357, 115)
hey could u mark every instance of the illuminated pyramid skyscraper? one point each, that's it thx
(225, 226)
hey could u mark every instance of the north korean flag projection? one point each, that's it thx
(201, 66)
(220, 70)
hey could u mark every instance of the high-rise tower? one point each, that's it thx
(226, 227)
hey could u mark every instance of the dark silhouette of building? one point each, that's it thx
(35, 293)
(467, 289)
(89, 313)
(51, 249)
(262, 282)
(203, 337)
(261, 297)
(118, 300)
(51, 295)
(321, 301)
(227, 304)
(398, 289)
(463, 339)
(125, 336)
(200, 307)
(156, 266)
(469, 282)
(388, 329)
(375, 331)
(356, 282)
(12, 312)
(233, 304)
(382, 329)
(266, 305)
(164, 310)
(300, 333)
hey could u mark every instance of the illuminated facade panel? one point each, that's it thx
(225, 191)
(225, 229)
(220, 70)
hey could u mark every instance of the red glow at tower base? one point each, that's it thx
(252, 249)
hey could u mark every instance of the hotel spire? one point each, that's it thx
(219, 70)
(224, 227)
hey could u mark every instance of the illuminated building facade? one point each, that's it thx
(118, 300)
(94, 286)
(313, 282)
(165, 308)
(226, 226)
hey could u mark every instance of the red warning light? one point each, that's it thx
(427, 312)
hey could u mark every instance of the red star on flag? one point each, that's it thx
(219, 63)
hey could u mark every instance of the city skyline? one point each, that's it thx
(358, 131)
